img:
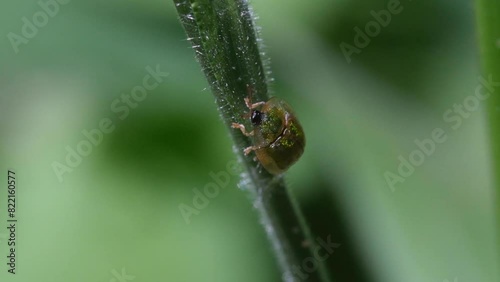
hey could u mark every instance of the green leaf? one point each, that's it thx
(488, 20)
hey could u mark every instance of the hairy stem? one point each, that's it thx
(226, 45)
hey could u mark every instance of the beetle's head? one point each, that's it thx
(256, 117)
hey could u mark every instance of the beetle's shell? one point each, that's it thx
(279, 136)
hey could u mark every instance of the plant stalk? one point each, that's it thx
(226, 45)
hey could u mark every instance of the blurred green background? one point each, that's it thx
(118, 211)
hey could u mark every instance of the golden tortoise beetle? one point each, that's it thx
(278, 138)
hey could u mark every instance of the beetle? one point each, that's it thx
(278, 137)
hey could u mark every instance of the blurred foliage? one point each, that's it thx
(119, 207)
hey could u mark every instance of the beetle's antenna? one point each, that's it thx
(250, 94)
(248, 102)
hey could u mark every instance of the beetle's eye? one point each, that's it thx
(256, 117)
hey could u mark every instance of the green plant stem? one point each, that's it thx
(488, 20)
(226, 45)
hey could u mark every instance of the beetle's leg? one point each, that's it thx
(248, 150)
(253, 106)
(242, 128)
